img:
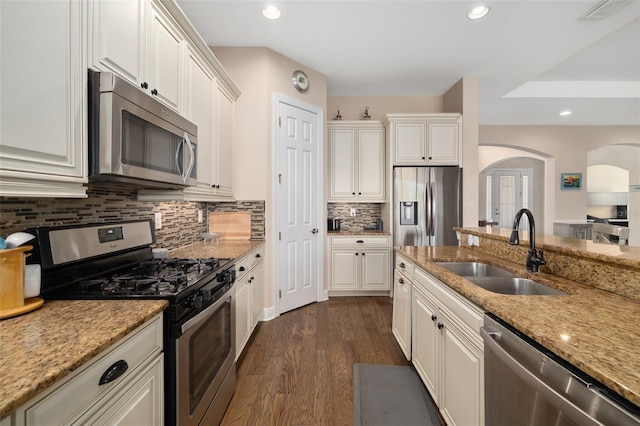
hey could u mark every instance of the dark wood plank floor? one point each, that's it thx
(298, 368)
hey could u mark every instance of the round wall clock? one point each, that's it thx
(300, 81)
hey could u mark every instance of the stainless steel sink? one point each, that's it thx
(498, 280)
(475, 269)
(515, 286)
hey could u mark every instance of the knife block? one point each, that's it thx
(12, 277)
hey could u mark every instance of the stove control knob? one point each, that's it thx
(195, 301)
(206, 294)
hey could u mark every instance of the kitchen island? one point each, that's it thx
(594, 327)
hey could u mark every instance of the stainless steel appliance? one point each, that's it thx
(115, 261)
(333, 224)
(427, 205)
(527, 384)
(134, 138)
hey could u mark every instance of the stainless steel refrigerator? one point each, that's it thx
(427, 204)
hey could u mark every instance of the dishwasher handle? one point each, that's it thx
(491, 341)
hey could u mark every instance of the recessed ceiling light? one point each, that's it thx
(478, 12)
(271, 12)
(565, 113)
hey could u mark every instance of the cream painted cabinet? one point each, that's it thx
(447, 350)
(425, 139)
(43, 99)
(223, 156)
(140, 42)
(135, 397)
(356, 161)
(359, 265)
(249, 290)
(401, 319)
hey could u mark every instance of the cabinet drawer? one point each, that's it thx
(360, 241)
(248, 261)
(404, 265)
(467, 313)
(66, 402)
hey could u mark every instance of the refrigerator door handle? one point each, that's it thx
(432, 229)
(427, 209)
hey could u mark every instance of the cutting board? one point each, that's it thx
(233, 225)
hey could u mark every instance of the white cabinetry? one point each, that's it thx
(139, 41)
(356, 161)
(223, 144)
(43, 104)
(447, 349)
(359, 265)
(425, 139)
(248, 295)
(402, 290)
(134, 397)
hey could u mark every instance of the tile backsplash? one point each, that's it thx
(113, 203)
(367, 215)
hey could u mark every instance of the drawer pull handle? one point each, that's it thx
(258, 255)
(401, 281)
(113, 372)
(433, 318)
(401, 265)
(241, 268)
(360, 242)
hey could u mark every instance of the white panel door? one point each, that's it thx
(225, 183)
(298, 206)
(401, 321)
(344, 269)
(410, 143)
(375, 270)
(342, 164)
(424, 341)
(443, 143)
(371, 170)
(511, 191)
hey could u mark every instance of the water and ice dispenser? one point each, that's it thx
(408, 213)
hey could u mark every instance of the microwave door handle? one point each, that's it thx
(192, 158)
(178, 165)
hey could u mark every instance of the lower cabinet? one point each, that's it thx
(401, 321)
(248, 295)
(135, 397)
(359, 265)
(446, 347)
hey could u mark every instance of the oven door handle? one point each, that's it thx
(204, 314)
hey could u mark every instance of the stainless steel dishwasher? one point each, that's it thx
(525, 384)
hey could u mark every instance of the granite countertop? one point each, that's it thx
(41, 347)
(223, 248)
(361, 232)
(595, 330)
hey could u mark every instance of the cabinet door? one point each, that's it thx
(342, 174)
(141, 403)
(199, 108)
(375, 269)
(462, 386)
(223, 153)
(257, 290)
(242, 313)
(424, 340)
(401, 320)
(43, 101)
(370, 166)
(165, 60)
(410, 140)
(443, 143)
(117, 37)
(344, 269)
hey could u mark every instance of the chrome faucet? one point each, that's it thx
(534, 258)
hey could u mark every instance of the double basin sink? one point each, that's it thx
(498, 280)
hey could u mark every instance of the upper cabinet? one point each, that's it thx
(356, 161)
(139, 41)
(43, 99)
(425, 139)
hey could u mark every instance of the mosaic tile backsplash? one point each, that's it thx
(367, 215)
(113, 203)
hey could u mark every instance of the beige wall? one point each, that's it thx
(566, 150)
(260, 73)
(352, 107)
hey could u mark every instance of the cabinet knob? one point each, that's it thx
(356, 254)
(423, 158)
(401, 265)
(241, 268)
(440, 326)
(359, 193)
(433, 317)
(353, 193)
(258, 255)
(401, 281)
(429, 158)
(144, 85)
(363, 253)
(154, 92)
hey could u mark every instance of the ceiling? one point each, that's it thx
(533, 58)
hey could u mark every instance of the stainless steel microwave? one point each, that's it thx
(134, 138)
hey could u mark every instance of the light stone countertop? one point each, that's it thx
(602, 327)
(39, 348)
(356, 233)
(231, 249)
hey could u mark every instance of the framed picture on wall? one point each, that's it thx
(570, 181)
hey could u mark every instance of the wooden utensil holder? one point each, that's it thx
(12, 277)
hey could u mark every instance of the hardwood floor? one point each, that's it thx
(298, 368)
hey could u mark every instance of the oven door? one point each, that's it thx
(205, 365)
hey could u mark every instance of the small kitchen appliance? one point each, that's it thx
(333, 224)
(115, 261)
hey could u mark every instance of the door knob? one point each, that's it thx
(314, 231)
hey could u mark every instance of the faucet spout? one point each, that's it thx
(535, 258)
